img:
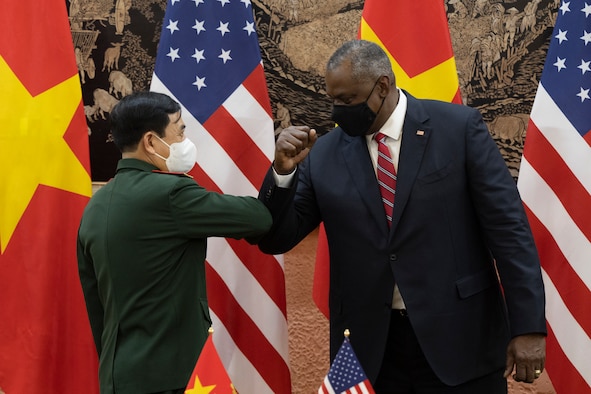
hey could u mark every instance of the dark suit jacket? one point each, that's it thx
(141, 255)
(456, 209)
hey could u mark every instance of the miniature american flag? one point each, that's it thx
(346, 374)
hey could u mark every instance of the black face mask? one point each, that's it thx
(355, 120)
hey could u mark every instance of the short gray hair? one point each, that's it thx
(368, 60)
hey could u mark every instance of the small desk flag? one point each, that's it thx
(209, 375)
(346, 374)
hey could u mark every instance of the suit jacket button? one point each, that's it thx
(393, 257)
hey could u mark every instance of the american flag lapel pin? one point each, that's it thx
(420, 132)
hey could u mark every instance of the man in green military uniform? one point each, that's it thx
(141, 251)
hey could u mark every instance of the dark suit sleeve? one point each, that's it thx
(293, 211)
(506, 230)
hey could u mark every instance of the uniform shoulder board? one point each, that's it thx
(173, 173)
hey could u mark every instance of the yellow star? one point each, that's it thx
(33, 151)
(198, 388)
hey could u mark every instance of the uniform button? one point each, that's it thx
(393, 257)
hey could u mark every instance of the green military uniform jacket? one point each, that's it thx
(141, 254)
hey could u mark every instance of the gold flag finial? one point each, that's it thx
(347, 333)
(210, 331)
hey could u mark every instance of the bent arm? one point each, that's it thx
(201, 213)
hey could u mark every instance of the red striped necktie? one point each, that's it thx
(386, 176)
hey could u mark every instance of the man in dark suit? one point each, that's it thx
(141, 251)
(443, 292)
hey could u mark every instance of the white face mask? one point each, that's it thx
(182, 156)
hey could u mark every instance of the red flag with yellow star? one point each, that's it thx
(45, 339)
(209, 375)
(415, 35)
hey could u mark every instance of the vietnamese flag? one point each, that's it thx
(46, 345)
(415, 35)
(209, 375)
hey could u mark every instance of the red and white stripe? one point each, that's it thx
(555, 185)
(246, 288)
(361, 388)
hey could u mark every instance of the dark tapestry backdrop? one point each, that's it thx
(499, 46)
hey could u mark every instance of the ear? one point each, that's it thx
(147, 142)
(385, 85)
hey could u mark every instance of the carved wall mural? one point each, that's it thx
(499, 47)
(115, 44)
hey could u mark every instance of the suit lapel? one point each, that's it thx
(415, 135)
(358, 162)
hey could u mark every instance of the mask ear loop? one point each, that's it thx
(383, 99)
(370, 93)
(164, 142)
(372, 89)
(381, 105)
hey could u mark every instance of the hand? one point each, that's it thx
(528, 354)
(292, 146)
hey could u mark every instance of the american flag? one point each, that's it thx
(555, 185)
(346, 374)
(209, 60)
